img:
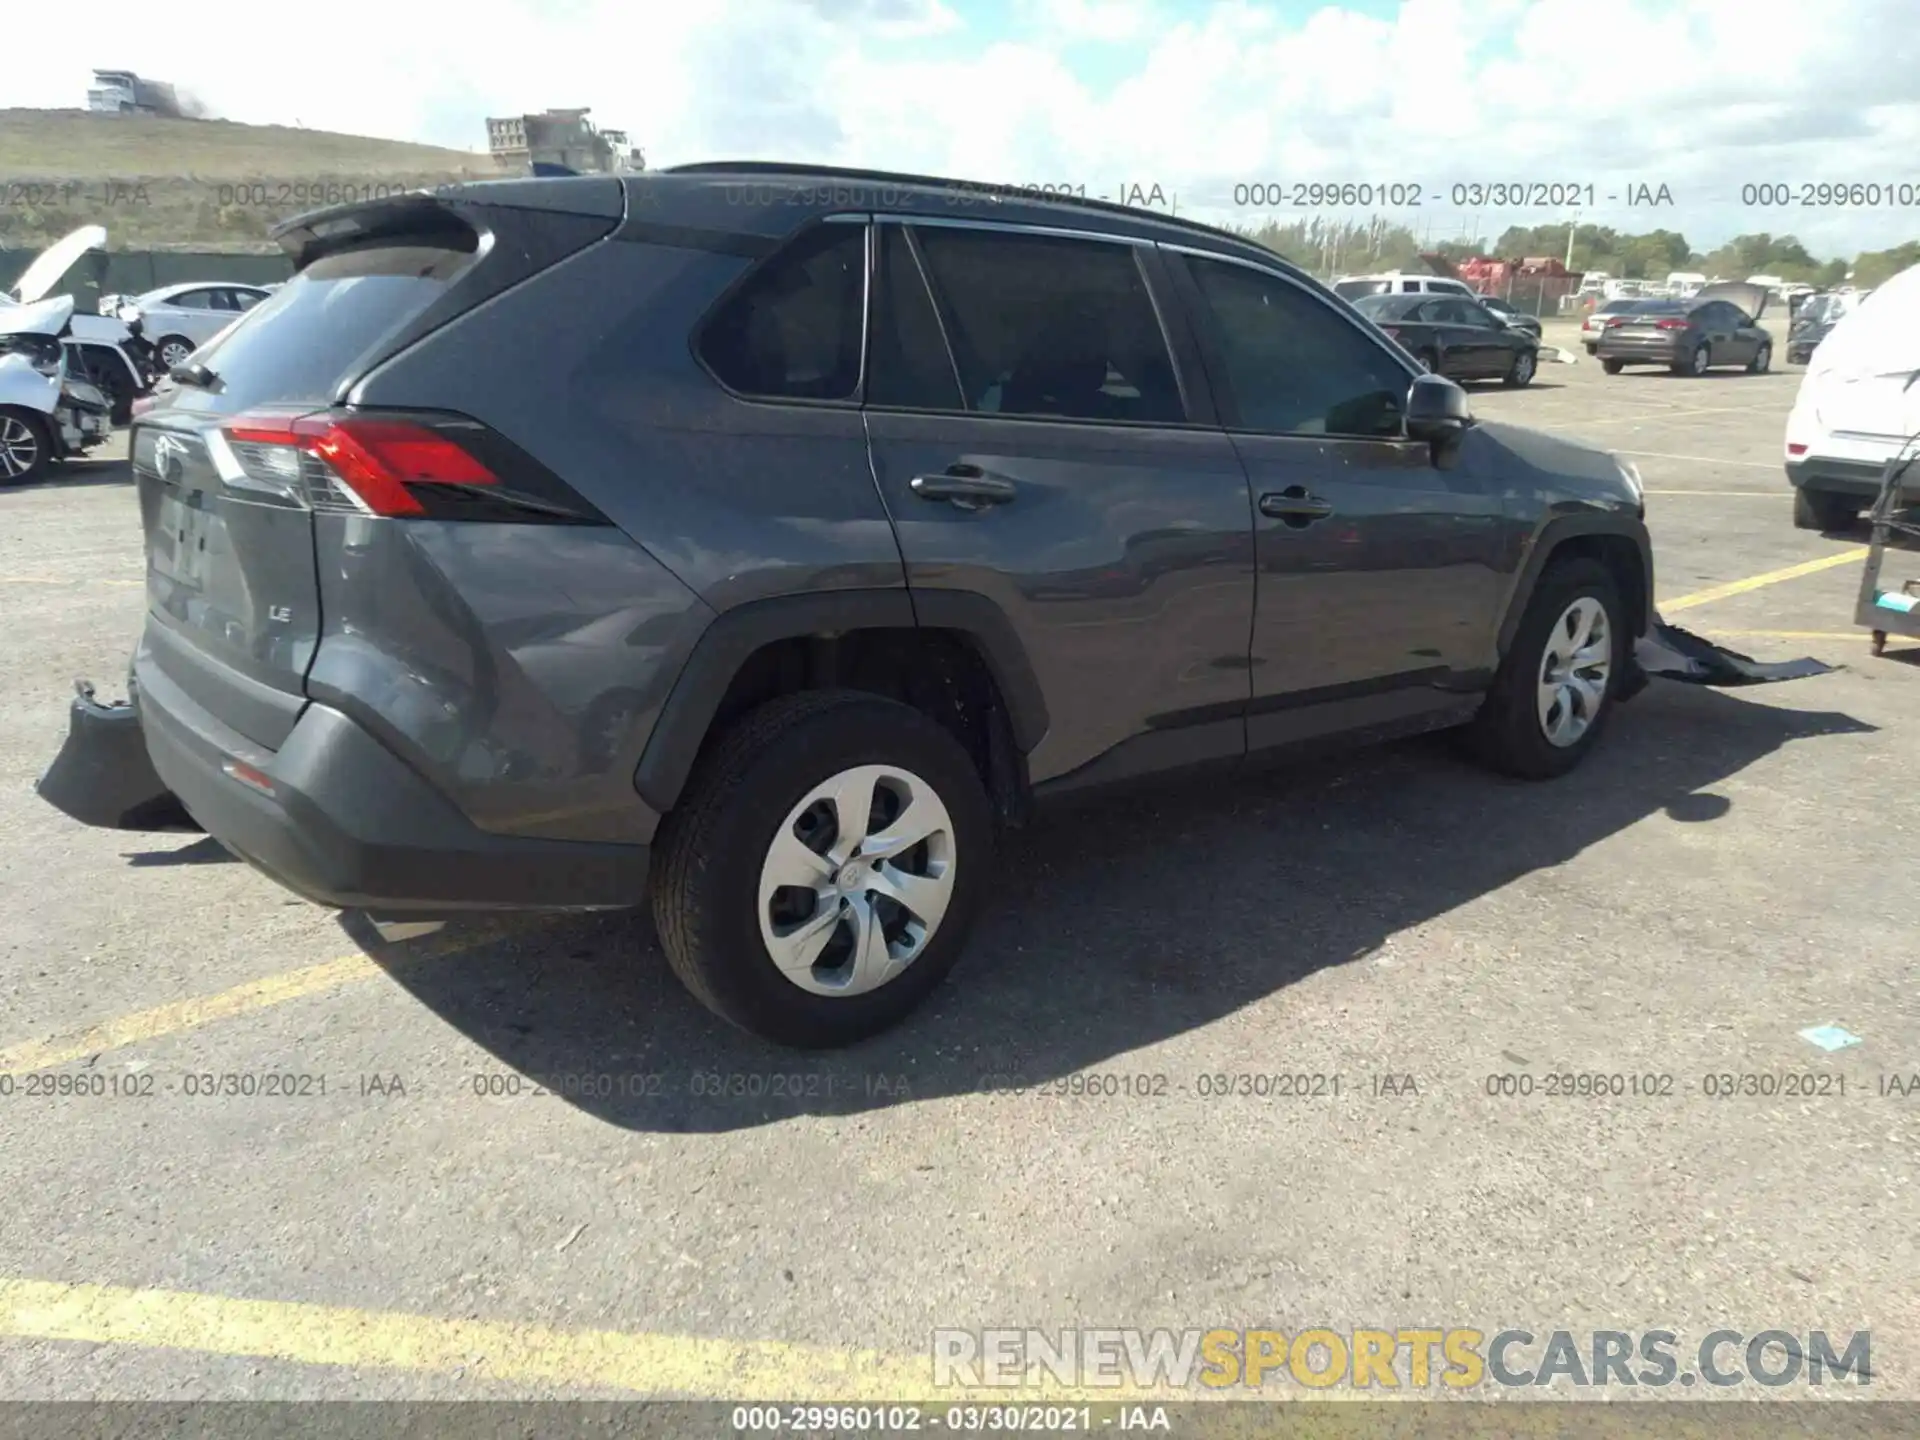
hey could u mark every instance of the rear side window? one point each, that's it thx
(192, 300)
(1046, 326)
(1357, 289)
(304, 339)
(793, 331)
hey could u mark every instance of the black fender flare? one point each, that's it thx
(1551, 537)
(736, 634)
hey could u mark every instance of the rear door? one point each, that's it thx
(1378, 572)
(1034, 444)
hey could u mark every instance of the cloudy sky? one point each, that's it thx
(1701, 96)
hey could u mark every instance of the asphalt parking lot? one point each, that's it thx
(1729, 869)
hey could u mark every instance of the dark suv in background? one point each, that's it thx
(762, 539)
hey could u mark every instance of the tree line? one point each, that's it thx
(1342, 247)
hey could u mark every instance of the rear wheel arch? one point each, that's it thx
(1620, 545)
(958, 660)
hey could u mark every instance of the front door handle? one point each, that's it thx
(1295, 504)
(966, 485)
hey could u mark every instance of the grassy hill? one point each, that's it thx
(192, 184)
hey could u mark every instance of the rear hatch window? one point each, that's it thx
(300, 343)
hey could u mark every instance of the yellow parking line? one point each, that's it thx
(185, 1014)
(1755, 582)
(650, 1364)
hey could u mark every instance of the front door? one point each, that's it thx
(1031, 441)
(1378, 571)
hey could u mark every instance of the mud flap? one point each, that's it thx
(1671, 653)
(102, 776)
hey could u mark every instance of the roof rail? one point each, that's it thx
(948, 182)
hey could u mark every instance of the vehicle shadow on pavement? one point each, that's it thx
(1115, 925)
(78, 474)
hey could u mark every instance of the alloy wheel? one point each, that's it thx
(19, 448)
(173, 353)
(1574, 671)
(856, 880)
(1523, 367)
(1699, 360)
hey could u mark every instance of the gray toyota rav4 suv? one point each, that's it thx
(757, 541)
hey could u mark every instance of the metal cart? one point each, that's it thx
(1883, 609)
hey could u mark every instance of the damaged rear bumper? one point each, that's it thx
(102, 776)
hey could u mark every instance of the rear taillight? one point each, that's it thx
(1796, 448)
(370, 463)
(393, 466)
(1670, 324)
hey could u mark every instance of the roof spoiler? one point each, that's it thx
(306, 238)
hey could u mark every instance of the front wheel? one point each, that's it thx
(820, 875)
(1762, 359)
(1520, 373)
(26, 446)
(1555, 686)
(170, 352)
(1429, 361)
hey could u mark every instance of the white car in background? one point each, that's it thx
(1859, 403)
(179, 319)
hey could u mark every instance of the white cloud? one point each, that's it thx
(1701, 95)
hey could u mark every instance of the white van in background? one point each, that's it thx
(1685, 284)
(1858, 404)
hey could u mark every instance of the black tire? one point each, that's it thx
(1520, 372)
(1696, 363)
(706, 912)
(37, 436)
(1430, 359)
(1762, 360)
(1823, 510)
(1507, 735)
(1612, 367)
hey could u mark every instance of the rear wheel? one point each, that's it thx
(1612, 367)
(1555, 687)
(1823, 510)
(1696, 362)
(172, 351)
(26, 446)
(819, 877)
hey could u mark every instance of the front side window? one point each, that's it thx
(1042, 325)
(793, 331)
(1295, 365)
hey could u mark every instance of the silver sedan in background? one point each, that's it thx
(179, 319)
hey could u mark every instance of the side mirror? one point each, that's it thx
(1436, 410)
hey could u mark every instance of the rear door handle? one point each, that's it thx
(966, 485)
(1294, 503)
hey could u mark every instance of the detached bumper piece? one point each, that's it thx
(1671, 653)
(102, 776)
